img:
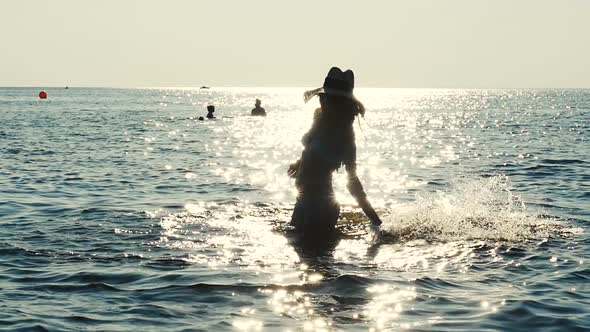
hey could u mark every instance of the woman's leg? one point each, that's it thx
(315, 215)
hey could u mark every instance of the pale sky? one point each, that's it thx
(388, 43)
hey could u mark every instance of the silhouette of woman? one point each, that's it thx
(329, 144)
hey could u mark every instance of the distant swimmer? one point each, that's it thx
(257, 110)
(210, 111)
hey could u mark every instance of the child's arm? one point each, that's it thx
(294, 168)
(305, 140)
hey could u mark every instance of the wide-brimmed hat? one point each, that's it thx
(337, 83)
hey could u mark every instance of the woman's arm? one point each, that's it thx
(356, 189)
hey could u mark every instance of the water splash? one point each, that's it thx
(477, 209)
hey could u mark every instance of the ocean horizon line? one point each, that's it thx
(285, 87)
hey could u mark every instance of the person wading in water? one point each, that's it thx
(258, 110)
(329, 144)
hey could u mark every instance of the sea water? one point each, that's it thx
(121, 211)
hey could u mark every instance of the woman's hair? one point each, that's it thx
(342, 107)
(339, 114)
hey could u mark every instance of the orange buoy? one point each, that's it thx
(43, 94)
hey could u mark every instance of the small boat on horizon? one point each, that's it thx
(205, 87)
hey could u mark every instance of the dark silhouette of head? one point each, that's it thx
(337, 94)
(258, 102)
